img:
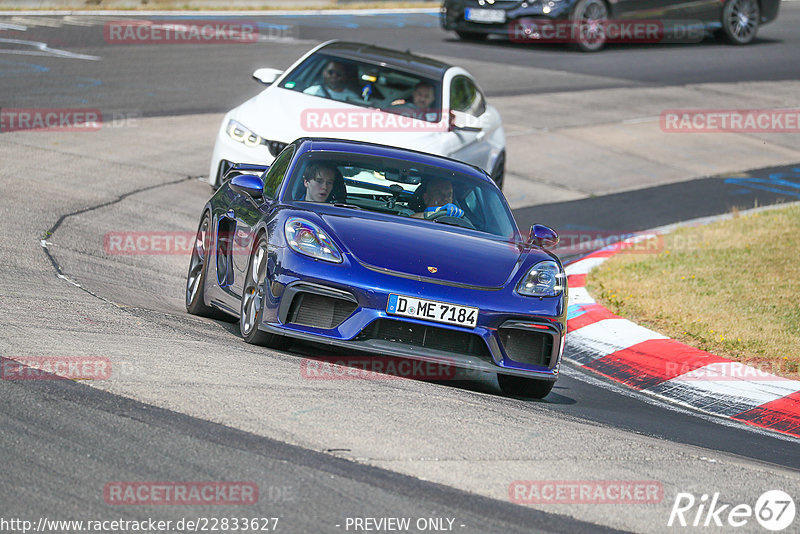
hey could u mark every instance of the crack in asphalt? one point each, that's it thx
(52, 230)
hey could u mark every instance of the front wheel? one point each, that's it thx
(740, 20)
(253, 301)
(588, 25)
(198, 267)
(517, 386)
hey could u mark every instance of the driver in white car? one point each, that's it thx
(338, 83)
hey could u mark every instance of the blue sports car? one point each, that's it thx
(385, 250)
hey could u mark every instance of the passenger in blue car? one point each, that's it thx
(319, 179)
(437, 196)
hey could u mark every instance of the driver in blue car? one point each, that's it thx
(438, 199)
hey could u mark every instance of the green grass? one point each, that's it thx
(731, 288)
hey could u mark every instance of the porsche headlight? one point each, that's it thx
(307, 238)
(239, 132)
(545, 279)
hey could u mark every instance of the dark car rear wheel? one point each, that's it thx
(588, 18)
(471, 36)
(198, 267)
(740, 20)
(253, 300)
(517, 386)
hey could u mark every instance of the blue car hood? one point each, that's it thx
(413, 247)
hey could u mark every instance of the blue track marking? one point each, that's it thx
(14, 68)
(776, 183)
(575, 310)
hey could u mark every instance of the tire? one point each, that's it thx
(517, 386)
(588, 19)
(499, 171)
(253, 300)
(471, 36)
(222, 168)
(198, 268)
(740, 19)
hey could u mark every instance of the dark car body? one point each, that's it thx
(347, 301)
(475, 19)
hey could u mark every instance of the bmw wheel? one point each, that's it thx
(518, 386)
(253, 300)
(588, 25)
(740, 21)
(198, 266)
(499, 170)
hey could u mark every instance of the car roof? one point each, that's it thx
(322, 144)
(405, 61)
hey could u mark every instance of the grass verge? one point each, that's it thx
(731, 288)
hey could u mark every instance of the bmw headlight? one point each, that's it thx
(239, 132)
(545, 279)
(307, 238)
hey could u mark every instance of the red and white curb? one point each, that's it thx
(647, 361)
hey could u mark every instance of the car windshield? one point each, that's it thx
(402, 188)
(367, 85)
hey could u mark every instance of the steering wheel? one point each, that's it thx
(438, 215)
(457, 221)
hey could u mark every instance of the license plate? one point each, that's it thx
(485, 15)
(431, 310)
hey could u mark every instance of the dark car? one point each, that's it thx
(340, 242)
(589, 24)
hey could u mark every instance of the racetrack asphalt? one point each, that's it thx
(190, 371)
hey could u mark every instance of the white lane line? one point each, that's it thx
(41, 49)
(584, 266)
(579, 295)
(15, 27)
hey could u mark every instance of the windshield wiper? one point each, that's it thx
(344, 205)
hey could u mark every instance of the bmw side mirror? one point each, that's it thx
(247, 184)
(543, 236)
(460, 122)
(267, 76)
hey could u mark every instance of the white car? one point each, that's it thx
(362, 92)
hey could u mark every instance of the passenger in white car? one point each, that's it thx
(420, 106)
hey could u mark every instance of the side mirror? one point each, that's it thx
(461, 122)
(247, 184)
(543, 236)
(267, 76)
